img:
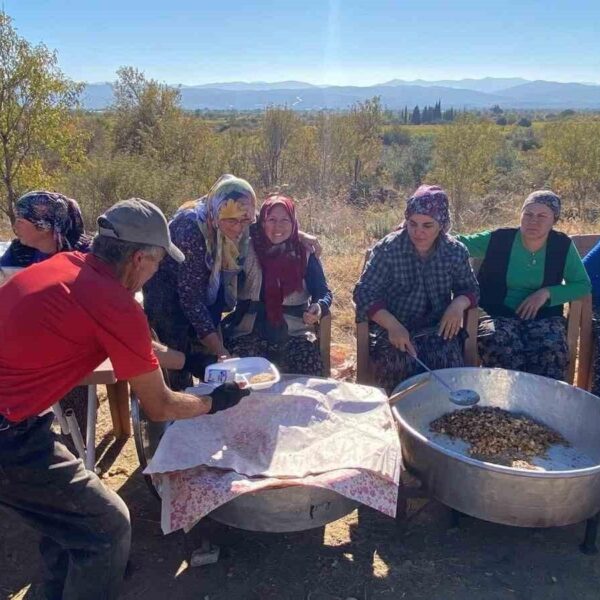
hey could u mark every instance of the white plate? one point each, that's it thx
(241, 370)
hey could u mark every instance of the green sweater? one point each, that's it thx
(526, 271)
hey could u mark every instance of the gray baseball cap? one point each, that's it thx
(139, 221)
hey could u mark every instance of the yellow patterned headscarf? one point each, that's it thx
(229, 198)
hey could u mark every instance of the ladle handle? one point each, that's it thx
(433, 374)
(411, 388)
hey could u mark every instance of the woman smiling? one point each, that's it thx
(284, 294)
(184, 301)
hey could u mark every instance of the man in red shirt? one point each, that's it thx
(59, 320)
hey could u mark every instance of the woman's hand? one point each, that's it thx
(528, 309)
(400, 338)
(214, 345)
(310, 243)
(313, 315)
(452, 319)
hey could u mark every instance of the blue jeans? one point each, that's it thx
(85, 527)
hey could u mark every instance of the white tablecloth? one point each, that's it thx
(319, 432)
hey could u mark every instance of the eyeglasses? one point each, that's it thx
(233, 222)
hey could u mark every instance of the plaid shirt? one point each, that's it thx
(415, 291)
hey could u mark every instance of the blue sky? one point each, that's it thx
(354, 42)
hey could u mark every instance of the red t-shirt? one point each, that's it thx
(59, 320)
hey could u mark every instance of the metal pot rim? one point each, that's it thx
(570, 473)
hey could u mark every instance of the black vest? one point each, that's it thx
(493, 271)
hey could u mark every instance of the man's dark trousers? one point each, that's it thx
(85, 526)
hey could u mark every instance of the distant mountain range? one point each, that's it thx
(396, 94)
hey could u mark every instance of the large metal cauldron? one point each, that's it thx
(567, 491)
(293, 508)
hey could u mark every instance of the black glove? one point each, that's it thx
(226, 396)
(197, 362)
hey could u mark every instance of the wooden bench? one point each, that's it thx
(585, 367)
(324, 337)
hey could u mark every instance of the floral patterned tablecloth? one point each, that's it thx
(305, 431)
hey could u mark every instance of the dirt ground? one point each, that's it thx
(363, 556)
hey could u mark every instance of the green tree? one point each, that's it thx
(335, 153)
(410, 163)
(278, 127)
(38, 130)
(416, 116)
(146, 113)
(571, 153)
(321, 156)
(304, 167)
(365, 123)
(449, 115)
(149, 123)
(465, 160)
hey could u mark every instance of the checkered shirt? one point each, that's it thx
(415, 291)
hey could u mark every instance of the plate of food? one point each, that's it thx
(254, 372)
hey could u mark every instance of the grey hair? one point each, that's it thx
(117, 252)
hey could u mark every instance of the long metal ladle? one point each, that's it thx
(460, 397)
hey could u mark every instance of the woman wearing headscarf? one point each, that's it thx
(414, 290)
(184, 301)
(45, 223)
(283, 296)
(527, 275)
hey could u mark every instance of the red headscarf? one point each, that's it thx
(283, 265)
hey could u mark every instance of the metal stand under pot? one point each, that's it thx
(565, 492)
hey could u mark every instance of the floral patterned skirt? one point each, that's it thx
(294, 355)
(392, 366)
(533, 346)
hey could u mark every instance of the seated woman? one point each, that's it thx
(591, 262)
(184, 302)
(45, 223)
(527, 274)
(414, 289)
(283, 296)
